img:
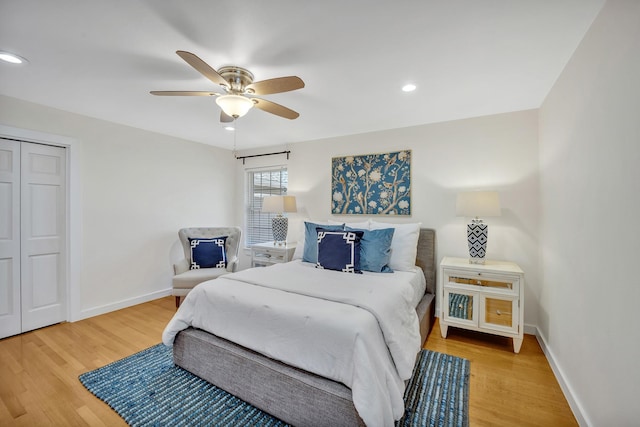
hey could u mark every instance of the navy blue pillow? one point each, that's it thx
(208, 253)
(375, 249)
(339, 250)
(310, 253)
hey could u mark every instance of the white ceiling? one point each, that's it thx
(468, 58)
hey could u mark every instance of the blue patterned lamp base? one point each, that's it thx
(477, 233)
(280, 226)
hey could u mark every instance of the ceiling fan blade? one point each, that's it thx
(273, 108)
(225, 118)
(204, 68)
(182, 93)
(277, 85)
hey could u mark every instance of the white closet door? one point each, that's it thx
(10, 318)
(43, 224)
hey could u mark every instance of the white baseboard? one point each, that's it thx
(530, 329)
(96, 311)
(567, 390)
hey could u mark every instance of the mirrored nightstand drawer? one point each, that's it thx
(265, 254)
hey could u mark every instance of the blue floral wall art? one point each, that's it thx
(371, 184)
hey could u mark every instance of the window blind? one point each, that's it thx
(262, 183)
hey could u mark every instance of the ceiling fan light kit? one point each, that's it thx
(234, 105)
(238, 83)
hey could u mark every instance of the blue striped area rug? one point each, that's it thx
(147, 389)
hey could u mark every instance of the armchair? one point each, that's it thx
(186, 279)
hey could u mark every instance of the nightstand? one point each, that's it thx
(487, 298)
(264, 254)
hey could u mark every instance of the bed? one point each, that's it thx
(289, 390)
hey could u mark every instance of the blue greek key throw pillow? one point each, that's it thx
(310, 253)
(339, 250)
(208, 253)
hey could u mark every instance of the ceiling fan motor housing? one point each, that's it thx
(239, 78)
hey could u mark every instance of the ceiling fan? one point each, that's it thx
(239, 88)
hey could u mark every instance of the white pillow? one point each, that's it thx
(297, 254)
(404, 246)
(360, 225)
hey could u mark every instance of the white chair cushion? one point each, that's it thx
(189, 279)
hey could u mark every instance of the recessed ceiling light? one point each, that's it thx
(229, 128)
(12, 58)
(408, 87)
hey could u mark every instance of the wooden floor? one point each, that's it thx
(506, 389)
(39, 371)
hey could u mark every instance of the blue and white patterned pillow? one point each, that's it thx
(208, 253)
(339, 250)
(310, 253)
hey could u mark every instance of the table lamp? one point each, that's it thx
(279, 223)
(477, 204)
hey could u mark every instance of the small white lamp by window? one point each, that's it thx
(279, 224)
(234, 105)
(477, 204)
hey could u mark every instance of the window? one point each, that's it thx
(261, 183)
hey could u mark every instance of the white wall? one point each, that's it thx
(590, 203)
(137, 189)
(495, 152)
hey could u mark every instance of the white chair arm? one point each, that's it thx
(181, 266)
(233, 264)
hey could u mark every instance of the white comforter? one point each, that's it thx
(361, 330)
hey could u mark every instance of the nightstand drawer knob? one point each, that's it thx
(498, 312)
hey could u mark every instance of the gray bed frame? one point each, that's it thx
(295, 396)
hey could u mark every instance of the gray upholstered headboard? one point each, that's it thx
(426, 258)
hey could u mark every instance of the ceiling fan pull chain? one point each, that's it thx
(235, 132)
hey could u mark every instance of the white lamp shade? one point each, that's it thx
(279, 204)
(478, 204)
(234, 105)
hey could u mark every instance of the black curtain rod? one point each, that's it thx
(261, 155)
